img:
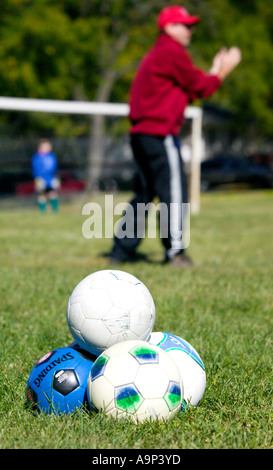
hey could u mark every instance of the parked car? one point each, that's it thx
(10, 180)
(69, 184)
(223, 170)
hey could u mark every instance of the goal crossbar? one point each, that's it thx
(76, 107)
(115, 109)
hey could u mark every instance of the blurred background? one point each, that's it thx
(88, 50)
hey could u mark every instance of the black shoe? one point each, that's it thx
(180, 260)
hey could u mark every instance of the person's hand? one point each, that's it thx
(226, 61)
(217, 61)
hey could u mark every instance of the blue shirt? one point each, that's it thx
(44, 166)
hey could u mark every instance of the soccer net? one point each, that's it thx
(119, 110)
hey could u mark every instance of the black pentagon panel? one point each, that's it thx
(32, 398)
(65, 381)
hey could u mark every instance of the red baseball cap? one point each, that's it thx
(175, 14)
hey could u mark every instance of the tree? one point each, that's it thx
(125, 23)
(248, 92)
(72, 50)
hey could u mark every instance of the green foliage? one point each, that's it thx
(248, 91)
(223, 307)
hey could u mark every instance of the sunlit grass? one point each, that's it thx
(222, 306)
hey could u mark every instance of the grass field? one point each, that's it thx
(222, 306)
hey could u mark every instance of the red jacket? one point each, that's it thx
(165, 83)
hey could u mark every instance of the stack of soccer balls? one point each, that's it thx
(117, 364)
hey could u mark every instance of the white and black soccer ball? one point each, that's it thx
(107, 307)
(135, 379)
(189, 363)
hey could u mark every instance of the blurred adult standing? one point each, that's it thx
(165, 83)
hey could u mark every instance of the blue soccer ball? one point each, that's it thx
(58, 381)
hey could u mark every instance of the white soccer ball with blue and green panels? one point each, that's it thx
(135, 379)
(189, 363)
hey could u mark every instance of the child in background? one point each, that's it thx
(45, 170)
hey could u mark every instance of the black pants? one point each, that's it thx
(160, 173)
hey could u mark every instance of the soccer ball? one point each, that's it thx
(189, 363)
(107, 307)
(135, 379)
(58, 381)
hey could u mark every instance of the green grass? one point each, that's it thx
(222, 306)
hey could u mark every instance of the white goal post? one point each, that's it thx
(115, 109)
